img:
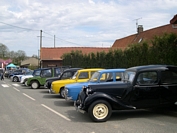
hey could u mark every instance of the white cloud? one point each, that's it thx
(76, 22)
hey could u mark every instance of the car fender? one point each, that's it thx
(98, 96)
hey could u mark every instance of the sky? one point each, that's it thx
(77, 23)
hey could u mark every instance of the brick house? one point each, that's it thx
(52, 56)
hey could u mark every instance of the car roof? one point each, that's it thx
(151, 67)
(91, 69)
(112, 70)
(72, 69)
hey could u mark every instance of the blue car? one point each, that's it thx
(108, 75)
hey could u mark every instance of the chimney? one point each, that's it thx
(140, 28)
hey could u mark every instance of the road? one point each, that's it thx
(24, 110)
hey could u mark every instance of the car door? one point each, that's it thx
(46, 73)
(83, 76)
(168, 87)
(146, 91)
(56, 72)
(67, 75)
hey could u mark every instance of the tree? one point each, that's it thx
(35, 56)
(3, 51)
(17, 57)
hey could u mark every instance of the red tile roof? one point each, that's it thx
(142, 36)
(147, 35)
(57, 52)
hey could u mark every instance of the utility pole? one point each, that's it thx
(40, 47)
(40, 39)
(54, 41)
(38, 59)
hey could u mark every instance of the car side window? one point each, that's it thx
(83, 75)
(57, 72)
(103, 77)
(92, 72)
(66, 75)
(109, 77)
(46, 73)
(119, 76)
(168, 77)
(147, 78)
(37, 73)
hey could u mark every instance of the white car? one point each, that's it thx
(16, 78)
(24, 78)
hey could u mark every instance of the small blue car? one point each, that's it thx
(107, 75)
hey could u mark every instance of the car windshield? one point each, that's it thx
(37, 73)
(29, 73)
(129, 76)
(95, 77)
(75, 75)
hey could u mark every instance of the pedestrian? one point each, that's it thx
(2, 76)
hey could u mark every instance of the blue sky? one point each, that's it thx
(77, 23)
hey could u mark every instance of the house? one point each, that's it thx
(31, 61)
(146, 35)
(51, 57)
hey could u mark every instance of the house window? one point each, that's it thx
(140, 40)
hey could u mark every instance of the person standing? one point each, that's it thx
(2, 76)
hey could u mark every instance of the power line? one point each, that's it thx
(18, 27)
(63, 39)
(47, 33)
(39, 30)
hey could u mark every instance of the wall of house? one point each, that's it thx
(51, 63)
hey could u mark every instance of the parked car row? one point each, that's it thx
(99, 91)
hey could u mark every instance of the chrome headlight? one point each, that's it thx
(84, 88)
(88, 91)
(66, 91)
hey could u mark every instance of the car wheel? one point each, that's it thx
(62, 95)
(34, 85)
(100, 111)
(15, 79)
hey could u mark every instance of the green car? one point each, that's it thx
(37, 81)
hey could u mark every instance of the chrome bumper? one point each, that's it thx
(68, 98)
(51, 91)
(78, 108)
(45, 85)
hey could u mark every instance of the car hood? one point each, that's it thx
(26, 76)
(63, 81)
(76, 85)
(53, 78)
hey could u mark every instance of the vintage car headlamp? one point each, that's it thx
(66, 91)
(88, 91)
(84, 88)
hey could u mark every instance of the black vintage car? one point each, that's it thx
(142, 87)
(66, 74)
